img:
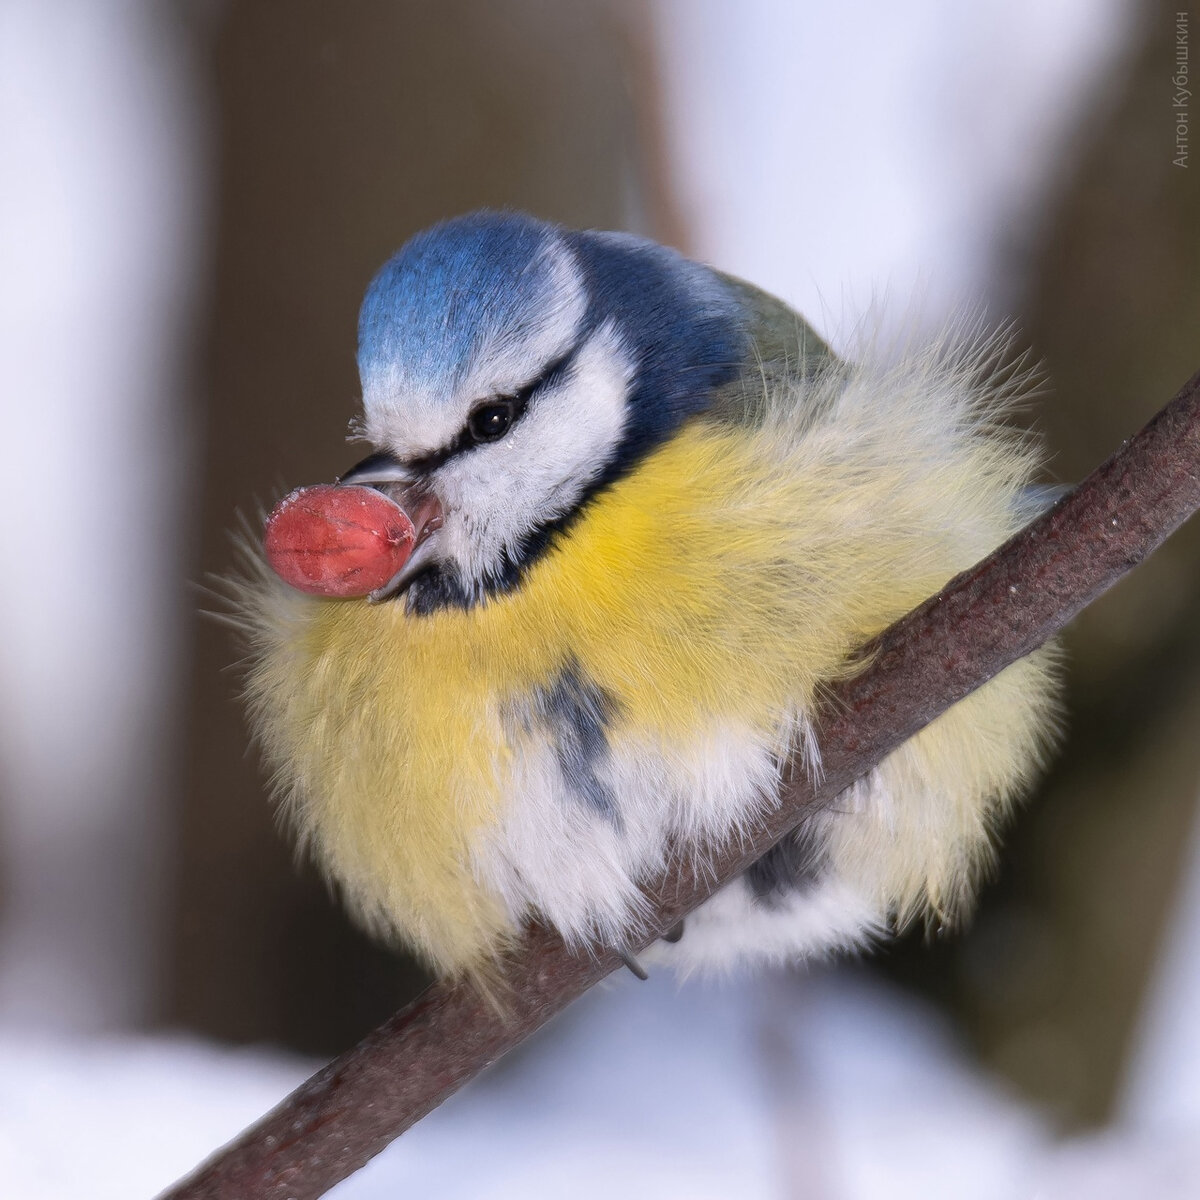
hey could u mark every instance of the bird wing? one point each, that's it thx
(783, 347)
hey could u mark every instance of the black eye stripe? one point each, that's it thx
(518, 402)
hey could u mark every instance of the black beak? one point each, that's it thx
(380, 467)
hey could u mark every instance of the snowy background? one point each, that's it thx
(845, 157)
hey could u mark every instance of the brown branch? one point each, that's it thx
(985, 619)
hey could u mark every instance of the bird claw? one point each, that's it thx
(635, 967)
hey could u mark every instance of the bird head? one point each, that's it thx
(511, 368)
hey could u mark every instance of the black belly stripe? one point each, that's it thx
(791, 865)
(577, 714)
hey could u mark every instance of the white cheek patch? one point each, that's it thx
(413, 417)
(495, 495)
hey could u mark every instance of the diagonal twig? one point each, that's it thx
(982, 621)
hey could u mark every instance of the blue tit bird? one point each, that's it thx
(658, 514)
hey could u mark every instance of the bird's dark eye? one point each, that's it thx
(491, 421)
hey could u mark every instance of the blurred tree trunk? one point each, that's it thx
(1052, 975)
(1114, 309)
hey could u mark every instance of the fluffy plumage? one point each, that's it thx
(641, 588)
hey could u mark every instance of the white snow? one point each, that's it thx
(827, 1085)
